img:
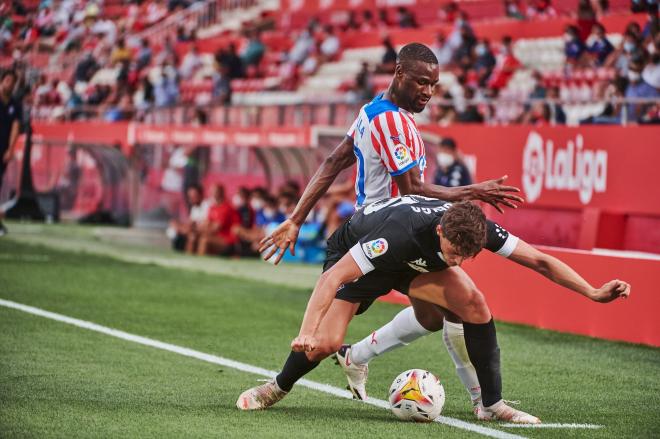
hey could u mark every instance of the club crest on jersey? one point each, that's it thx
(375, 248)
(402, 155)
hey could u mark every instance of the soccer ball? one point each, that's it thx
(417, 395)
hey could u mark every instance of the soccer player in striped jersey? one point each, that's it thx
(387, 148)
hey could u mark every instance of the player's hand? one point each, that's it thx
(285, 236)
(611, 291)
(495, 193)
(304, 343)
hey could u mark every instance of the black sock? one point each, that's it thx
(484, 353)
(296, 366)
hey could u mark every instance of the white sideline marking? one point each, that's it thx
(585, 426)
(269, 373)
(238, 365)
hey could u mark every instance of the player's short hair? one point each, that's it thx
(416, 52)
(464, 225)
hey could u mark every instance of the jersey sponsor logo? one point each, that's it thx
(419, 265)
(402, 156)
(375, 248)
(573, 168)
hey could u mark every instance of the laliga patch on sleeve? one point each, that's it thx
(375, 248)
(402, 156)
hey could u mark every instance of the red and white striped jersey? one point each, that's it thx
(386, 143)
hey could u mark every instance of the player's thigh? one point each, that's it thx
(428, 314)
(332, 329)
(454, 290)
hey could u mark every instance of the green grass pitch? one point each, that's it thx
(57, 380)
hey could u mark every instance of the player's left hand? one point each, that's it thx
(304, 343)
(611, 291)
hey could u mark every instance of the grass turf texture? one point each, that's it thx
(61, 381)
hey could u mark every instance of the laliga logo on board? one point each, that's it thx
(573, 168)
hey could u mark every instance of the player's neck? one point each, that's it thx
(392, 96)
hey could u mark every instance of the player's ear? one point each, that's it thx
(398, 71)
(438, 230)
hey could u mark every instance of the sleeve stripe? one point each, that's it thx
(361, 259)
(404, 170)
(509, 246)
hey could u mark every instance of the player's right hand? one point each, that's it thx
(304, 343)
(495, 193)
(283, 237)
(611, 291)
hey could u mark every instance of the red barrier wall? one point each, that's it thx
(519, 295)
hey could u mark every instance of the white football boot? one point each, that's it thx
(500, 411)
(260, 397)
(356, 374)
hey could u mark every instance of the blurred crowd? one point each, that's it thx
(234, 224)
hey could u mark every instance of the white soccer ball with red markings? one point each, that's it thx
(417, 395)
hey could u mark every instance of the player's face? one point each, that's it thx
(449, 252)
(416, 84)
(7, 85)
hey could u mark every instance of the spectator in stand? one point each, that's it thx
(471, 113)
(184, 233)
(513, 10)
(311, 64)
(586, 19)
(254, 50)
(217, 236)
(620, 58)
(166, 91)
(574, 48)
(369, 23)
(612, 96)
(463, 54)
(221, 86)
(599, 46)
(449, 12)
(351, 22)
(330, 45)
(167, 53)
(446, 114)
(442, 50)
(638, 88)
(191, 63)
(405, 18)
(121, 53)
(484, 62)
(86, 68)
(302, 47)
(230, 59)
(538, 114)
(505, 66)
(182, 35)
(383, 19)
(46, 22)
(364, 87)
(540, 9)
(143, 98)
(557, 114)
(451, 171)
(651, 73)
(241, 202)
(388, 62)
(539, 91)
(144, 54)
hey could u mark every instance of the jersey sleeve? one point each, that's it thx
(499, 240)
(384, 247)
(390, 133)
(351, 130)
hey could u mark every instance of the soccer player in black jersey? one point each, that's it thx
(387, 245)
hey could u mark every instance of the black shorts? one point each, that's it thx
(370, 286)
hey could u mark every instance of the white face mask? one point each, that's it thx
(633, 76)
(257, 203)
(445, 160)
(269, 212)
(237, 200)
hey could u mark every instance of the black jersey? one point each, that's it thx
(399, 235)
(9, 112)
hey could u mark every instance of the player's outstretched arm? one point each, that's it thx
(344, 271)
(286, 234)
(560, 273)
(493, 192)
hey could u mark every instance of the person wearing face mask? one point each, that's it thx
(451, 171)
(621, 57)
(573, 47)
(598, 45)
(484, 60)
(638, 88)
(241, 203)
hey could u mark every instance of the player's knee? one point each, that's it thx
(477, 310)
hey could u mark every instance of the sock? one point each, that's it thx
(400, 331)
(296, 366)
(452, 335)
(481, 344)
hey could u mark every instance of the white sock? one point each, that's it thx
(400, 331)
(452, 334)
